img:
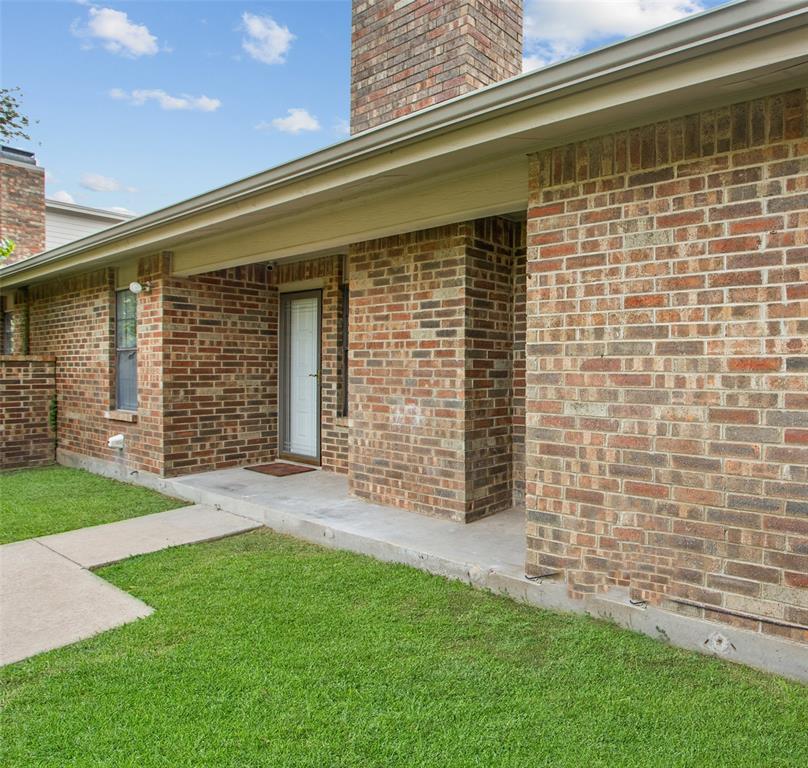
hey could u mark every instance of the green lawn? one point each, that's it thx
(37, 502)
(266, 651)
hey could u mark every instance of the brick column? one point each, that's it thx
(431, 346)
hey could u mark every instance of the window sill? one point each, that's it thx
(342, 421)
(128, 416)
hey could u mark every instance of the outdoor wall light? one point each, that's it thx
(137, 287)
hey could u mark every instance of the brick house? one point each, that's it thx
(583, 290)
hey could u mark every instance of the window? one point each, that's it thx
(346, 294)
(126, 351)
(8, 334)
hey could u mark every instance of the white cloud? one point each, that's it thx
(117, 33)
(98, 183)
(296, 120)
(559, 29)
(63, 197)
(530, 63)
(139, 97)
(122, 210)
(266, 40)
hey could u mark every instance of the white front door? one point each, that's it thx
(301, 368)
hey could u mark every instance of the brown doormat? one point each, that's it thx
(277, 469)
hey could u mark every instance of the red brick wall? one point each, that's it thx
(334, 424)
(488, 382)
(407, 367)
(431, 338)
(146, 439)
(668, 363)
(518, 363)
(327, 271)
(207, 365)
(221, 366)
(27, 387)
(72, 320)
(407, 56)
(219, 370)
(22, 208)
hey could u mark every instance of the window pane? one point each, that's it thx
(127, 304)
(127, 380)
(126, 358)
(126, 316)
(126, 334)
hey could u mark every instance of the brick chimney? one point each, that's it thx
(22, 202)
(410, 54)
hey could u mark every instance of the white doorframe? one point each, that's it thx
(299, 422)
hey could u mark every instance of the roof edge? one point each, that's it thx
(104, 213)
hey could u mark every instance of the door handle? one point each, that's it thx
(314, 375)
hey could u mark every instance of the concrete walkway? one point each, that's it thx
(49, 599)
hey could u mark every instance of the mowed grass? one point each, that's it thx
(266, 651)
(38, 502)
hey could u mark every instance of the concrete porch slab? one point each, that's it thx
(317, 506)
(104, 544)
(47, 601)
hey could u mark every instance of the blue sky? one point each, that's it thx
(142, 104)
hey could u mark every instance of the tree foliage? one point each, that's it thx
(7, 247)
(13, 123)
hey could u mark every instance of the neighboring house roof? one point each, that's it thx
(67, 222)
(463, 158)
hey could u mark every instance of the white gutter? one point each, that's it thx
(86, 210)
(715, 30)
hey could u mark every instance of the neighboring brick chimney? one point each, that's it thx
(22, 202)
(410, 54)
